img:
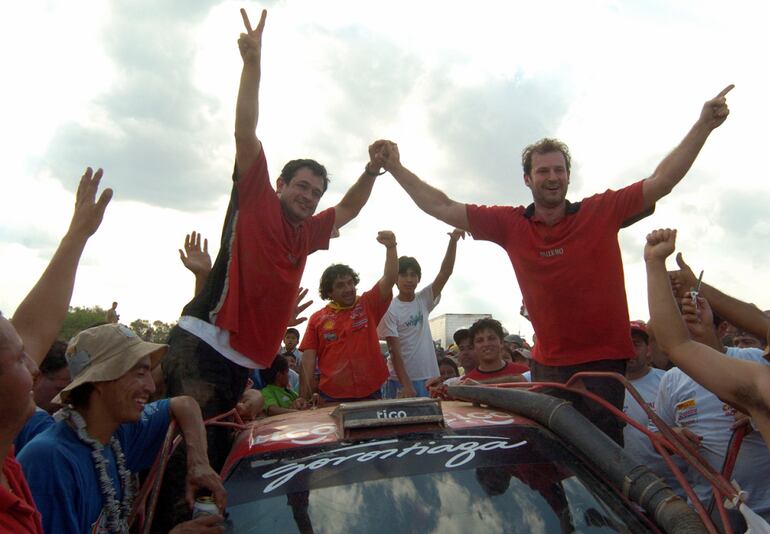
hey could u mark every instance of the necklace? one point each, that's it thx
(117, 513)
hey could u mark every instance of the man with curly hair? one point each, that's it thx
(343, 335)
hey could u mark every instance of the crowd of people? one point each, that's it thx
(101, 403)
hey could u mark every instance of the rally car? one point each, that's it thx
(499, 460)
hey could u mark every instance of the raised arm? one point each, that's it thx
(390, 273)
(358, 194)
(730, 379)
(743, 315)
(674, 166)
(196, 259)
(429, 199)
(448, 264)
(41, 314)
(199, 472)
(247, 145)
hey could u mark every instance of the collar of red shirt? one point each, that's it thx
(336, 307)
(571, 209)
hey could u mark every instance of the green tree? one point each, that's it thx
(140, 326)
(157, 332)
(79, 318)
(161, 331)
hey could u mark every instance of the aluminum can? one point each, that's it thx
(205, 506)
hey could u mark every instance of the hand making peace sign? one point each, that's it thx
(250, 43)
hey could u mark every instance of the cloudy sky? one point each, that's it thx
(146, 90)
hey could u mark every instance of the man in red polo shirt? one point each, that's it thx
(343, 335)
(566, 255)
(236, 322)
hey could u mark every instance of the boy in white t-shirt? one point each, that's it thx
(406, 329)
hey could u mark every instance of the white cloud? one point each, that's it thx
(620, 82)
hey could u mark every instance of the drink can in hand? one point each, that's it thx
(205, 506)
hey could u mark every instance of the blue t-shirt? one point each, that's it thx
(39, 421)
(63, 479)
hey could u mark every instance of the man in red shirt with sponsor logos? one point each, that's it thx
(343, 335)
(487, 336)
(566, 255)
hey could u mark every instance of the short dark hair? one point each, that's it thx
(292, 331)
(407, 262)
(279, 365)
(450, 362)
(331, 274)
(290, 170)
(460, 335)
(544, 146)
(55, 360)
(486, 323)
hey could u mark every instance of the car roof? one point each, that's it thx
(319, 427)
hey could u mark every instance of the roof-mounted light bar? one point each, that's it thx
(371, 414)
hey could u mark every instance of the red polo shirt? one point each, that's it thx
(18, 514)
(266, 266)
(570, 274)
(508, 369)
(347, 346)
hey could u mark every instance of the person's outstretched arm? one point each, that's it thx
(390, 273)
(674, 166)
(247, 145)
(448, 264)
(200, 475)
(730, 379)
(196, 259)
(42, 312)
(432, 201)
(356, 197)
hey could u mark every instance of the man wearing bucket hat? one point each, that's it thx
(80, 469)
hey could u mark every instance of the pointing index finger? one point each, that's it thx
(726, 90)
(246, 21)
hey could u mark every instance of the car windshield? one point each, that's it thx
(518, 478)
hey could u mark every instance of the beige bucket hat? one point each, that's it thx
(105, 353)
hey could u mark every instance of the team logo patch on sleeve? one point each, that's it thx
(686, 412)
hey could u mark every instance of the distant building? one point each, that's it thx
(444, 326)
